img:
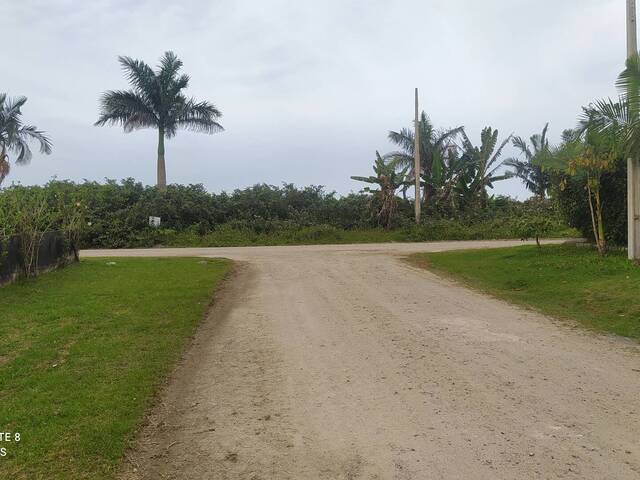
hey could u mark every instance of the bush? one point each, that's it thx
(29, 214)
(534, 227)
(574, 204)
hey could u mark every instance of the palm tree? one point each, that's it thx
(586, 154)
(434, 147)
(619, 118)
(388, 179)
(156, 101)
(485, 162)
(15, 136)
(530, 170)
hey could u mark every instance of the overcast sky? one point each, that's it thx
(308, 89)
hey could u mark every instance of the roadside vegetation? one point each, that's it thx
(82, 353)
(564, 281)
(577, 185)
(28, 215)
(115, 215)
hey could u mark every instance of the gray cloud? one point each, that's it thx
(308, 89)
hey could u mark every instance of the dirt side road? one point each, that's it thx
(347, 363)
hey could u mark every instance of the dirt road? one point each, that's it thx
(347, 363)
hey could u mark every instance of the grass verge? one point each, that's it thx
(227, 236)
(564, 281)
(82, 352)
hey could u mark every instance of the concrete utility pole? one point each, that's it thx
(416, 158)
(633, 164)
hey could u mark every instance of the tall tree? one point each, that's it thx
(484, 162)
(434, 146)
(15, 135)
(530, 170)
(156, 100)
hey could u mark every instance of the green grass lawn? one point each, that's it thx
(82, 352)
(563, 281)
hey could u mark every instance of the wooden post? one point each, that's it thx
(416, 158)
(633, 164)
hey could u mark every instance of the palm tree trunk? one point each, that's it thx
(602, 246)
(594, 224)
(162, 173)
(4, 164)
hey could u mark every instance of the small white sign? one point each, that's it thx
(154, 221)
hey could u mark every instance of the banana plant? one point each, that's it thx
(484, 163)
(434, 147)
(388, 179)
(448, 181)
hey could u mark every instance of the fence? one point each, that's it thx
(52, 253)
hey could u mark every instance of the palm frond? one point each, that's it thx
(27, 133)
(169, 66)
(400, 159)
(11, 107)
(521, 145)
(544, 143)
(496, 155)
(15, 136)
(466, 142)
(199, 117)
(179, 84)
(605, 114)
(629, 82)
(22, 150)
(128, 109)
(404, 139)
(445, 135)
(140, 75)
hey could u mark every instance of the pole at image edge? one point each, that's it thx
(633, 168)
(416, 158)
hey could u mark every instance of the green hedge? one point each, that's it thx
(116, 216)
(574, 205)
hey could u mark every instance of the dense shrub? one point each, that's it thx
(35, 220)
(116, 215)
(574, 204)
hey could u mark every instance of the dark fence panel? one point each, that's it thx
(51, 253)
(9, 261)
